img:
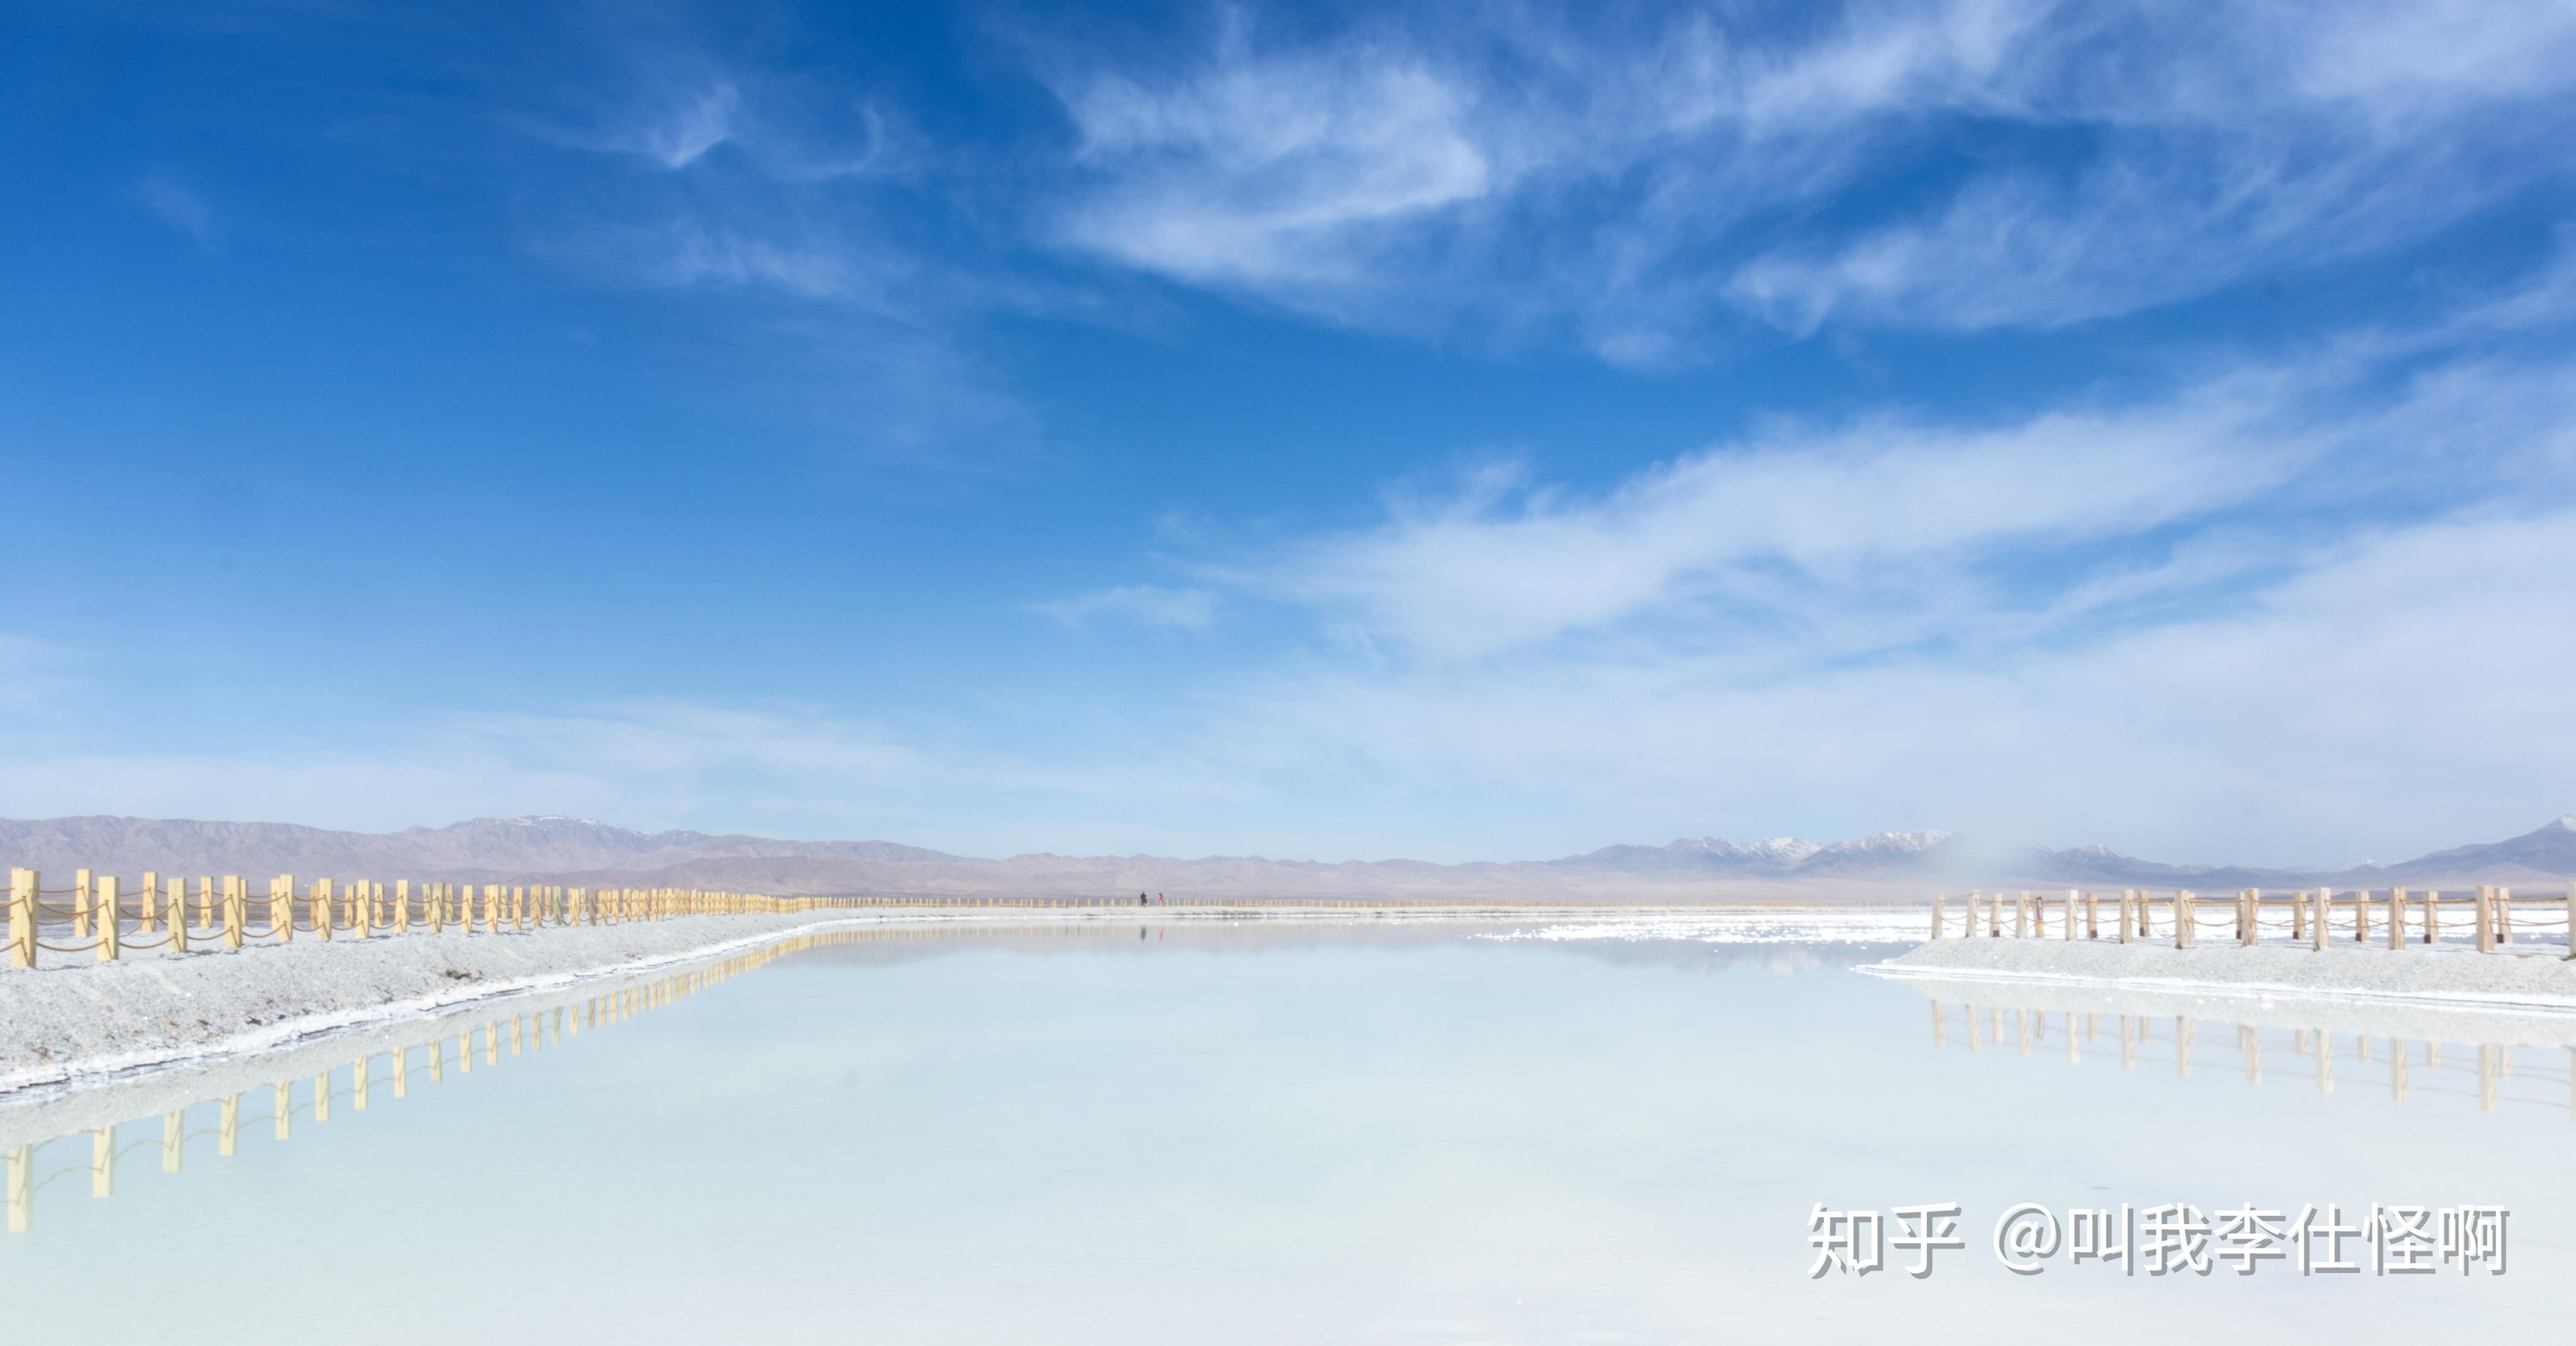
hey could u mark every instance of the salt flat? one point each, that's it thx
(2539, 979)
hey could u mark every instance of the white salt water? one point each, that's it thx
(1193, 1134)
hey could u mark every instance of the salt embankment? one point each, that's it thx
(2540, 981)
(69, 1021)
(34, 1115)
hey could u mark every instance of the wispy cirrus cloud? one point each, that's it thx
(1149, 604)
(1798, 517)
(1262, 173)
(796, 216)
(1638, 182)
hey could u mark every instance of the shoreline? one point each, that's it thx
(2541, 981)
(68, 1024)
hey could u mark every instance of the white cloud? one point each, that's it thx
(2286, 614)
(1897, 512)
(2396, 694)
(688, 252)
(694, 124)
(1261, 171)
(1152, 605)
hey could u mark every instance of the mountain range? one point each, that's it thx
(581, 851)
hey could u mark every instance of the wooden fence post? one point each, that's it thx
(2070, 913)
(2186, 916)
(2397, 918)
(2092, 915)
(110, 920)
(2485, 919)
(281, 907)
(178, 915)
(1936, 912)
(2360, 915)
(23, 884)
(22, 1188)
(321, 907)
(2317, 916)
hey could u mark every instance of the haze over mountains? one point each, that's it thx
(577, 851)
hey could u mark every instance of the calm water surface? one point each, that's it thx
(1187, 1134)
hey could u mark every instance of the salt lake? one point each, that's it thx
(1214, 1132)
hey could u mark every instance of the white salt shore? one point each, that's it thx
(72, 1021)
(38, 1113)
(2540, 980)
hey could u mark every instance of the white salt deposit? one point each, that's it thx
(73, 1020)
(1742, 925)
(2541, 980)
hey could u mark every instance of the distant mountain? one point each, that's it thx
(590, 853)
(2545, 853)
(1876, 853)
(482, 849)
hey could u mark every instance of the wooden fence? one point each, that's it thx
(105, 918)
(2491, 916)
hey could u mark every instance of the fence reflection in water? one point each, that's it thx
(454, 1040)
(2412, 1065)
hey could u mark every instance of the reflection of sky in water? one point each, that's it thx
(1232, 1135)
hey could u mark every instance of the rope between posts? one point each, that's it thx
(61, 1174)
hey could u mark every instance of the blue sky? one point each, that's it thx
(1472, 431)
